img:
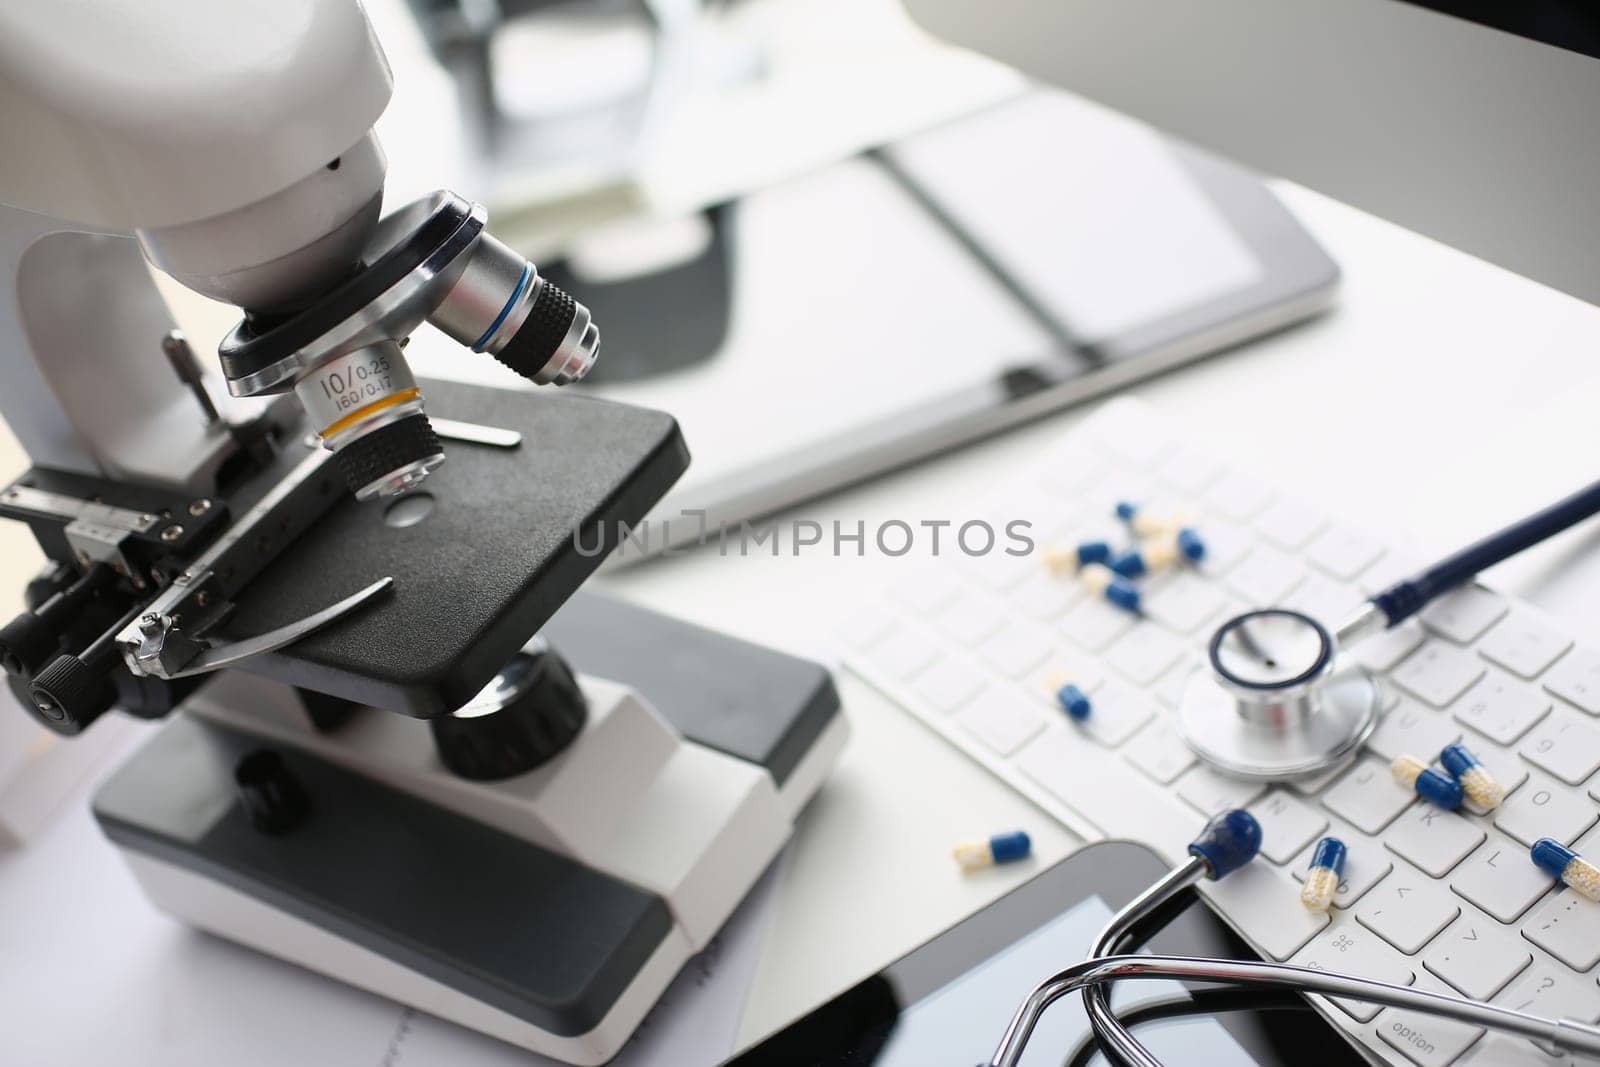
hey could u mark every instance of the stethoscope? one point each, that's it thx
(1228, 842)
(1279, 699)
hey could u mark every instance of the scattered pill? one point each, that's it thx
(1130, 564)
(1573, 870)
(1322, 880)
(1008, 847)
(1070, 560)
(1431, 784)
(1101, 579)
(1142, 521)
(1476, 782)
(1074, 701)
(1191, 544)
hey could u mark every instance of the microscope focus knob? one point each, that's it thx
(69, 694)
(530, 712)
(27, 641)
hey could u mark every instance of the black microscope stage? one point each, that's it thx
(511, 536)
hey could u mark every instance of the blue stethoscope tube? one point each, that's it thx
(1405, 598)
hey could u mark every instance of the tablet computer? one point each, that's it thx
(949, 1001)
(957, 282)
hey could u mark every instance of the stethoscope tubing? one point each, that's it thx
(1405, 598)
(1564, 1033)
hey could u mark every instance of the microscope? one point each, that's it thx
(409, 752)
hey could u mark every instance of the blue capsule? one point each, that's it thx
(1563, 863)
(1098, 578)
(1074, 701)
(1124, 594)
(1229, 841)
(1476, 781)
(1130, 564)
(1191, 544)
(1322, 877)
(1093, 552)
(1430, 784)
(1005, 847)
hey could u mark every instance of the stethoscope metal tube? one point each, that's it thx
(1566, 1034)
(1228, 842)
(1280, 702)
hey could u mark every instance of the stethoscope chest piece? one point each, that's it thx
(1273, 701)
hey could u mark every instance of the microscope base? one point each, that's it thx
(551, 909)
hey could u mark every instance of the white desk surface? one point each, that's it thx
(1442, 397)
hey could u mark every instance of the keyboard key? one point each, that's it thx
(1211, 792)
(1555, 994)
(1476, 958)
(1437, 673)
(1289, 523)
(1463, 614)
(1018, 648)
(1505, 768)
(1265, 906)
(1568, 927)
(1566, 744)
(1426, 1040)
(1001, 720)
(1106, 793)
(1265, 576)
(1159, 752)
(948, 683)
(1119, 713)
(1501, 880)
(1185, 603)
(1407, 911)
(1144, 652)
(1504, 1050)
(1288, 825)
(926, 591)
(1323, 599)
(1226, 545)
(1343, 553)
(1367, 797)
(1501, 708)
(1543, 809)
(1433, 839)
(1046, 597)
(1576, 679)
(1352, 949)
(1382, 651)
(1000, 571)
(901, 655)
(1414, 729)
(1094, 624)
(1191, 470)
(1169, 689)
(1239, 497)
(1309, 785)
(1524, 644)
(1365, 865)
(970, 619)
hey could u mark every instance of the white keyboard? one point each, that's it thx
(973, 646)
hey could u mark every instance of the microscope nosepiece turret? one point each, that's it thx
(342, 354)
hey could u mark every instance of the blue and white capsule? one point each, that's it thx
(1563, 863)
(1103, 581)
(1069, 561)
(1322, 879)
(1074, 701)
(1144, 522)
(1430, 784)
(1476, 782)
(1008, 847)
(1191, 545)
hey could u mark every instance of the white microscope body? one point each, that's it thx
(231, 144)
